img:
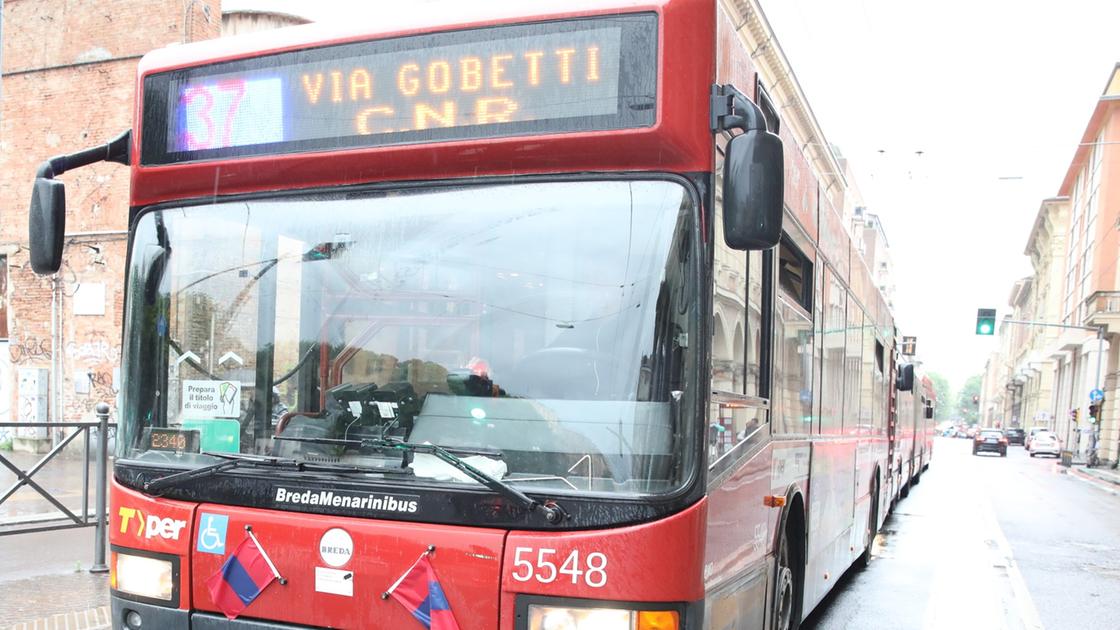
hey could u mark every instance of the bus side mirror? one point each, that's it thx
(929, 412)
(753, 187)
(46, 221)
(905, 378)
(46, 225)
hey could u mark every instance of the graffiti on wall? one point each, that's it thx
(31, 349)
(92, 372)
(92, 352)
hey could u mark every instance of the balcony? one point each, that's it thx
(1102, 308)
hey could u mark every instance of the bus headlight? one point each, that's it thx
(564, 618)
(143, 577)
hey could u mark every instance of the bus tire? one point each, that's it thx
(790, 569)
(864, 559)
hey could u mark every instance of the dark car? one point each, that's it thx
(1015, 436)
(990, 441)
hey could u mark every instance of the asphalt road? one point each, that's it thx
(988, 542)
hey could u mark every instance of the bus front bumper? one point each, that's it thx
(174, 619)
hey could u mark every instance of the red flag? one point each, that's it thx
(244, 574)
(419, 591)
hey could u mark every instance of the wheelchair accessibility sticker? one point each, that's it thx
(212, 533)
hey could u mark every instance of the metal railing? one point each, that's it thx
(72, 520)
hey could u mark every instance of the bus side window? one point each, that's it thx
(879, 408)
(853, 355)
(736, 329)
(793, 370)
(870, 379)
(835, 300)
(729, 306)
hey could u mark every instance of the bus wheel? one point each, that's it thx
(785, 596)
(872, 525)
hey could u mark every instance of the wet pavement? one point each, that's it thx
(61, 477)
(44, 577)
(46, 573)
(989, 542)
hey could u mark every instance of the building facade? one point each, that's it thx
(60, 336)
(1046, 246)
(1091, 287)
(1055, 376)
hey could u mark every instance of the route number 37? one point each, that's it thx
(543, 567)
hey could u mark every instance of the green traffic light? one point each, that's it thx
(985, 321)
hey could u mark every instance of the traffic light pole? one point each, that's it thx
(1100, 355)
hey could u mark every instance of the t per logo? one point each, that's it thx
(152, 526)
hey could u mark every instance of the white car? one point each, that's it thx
(1033, 431)
(1045, 443)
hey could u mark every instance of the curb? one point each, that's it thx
(1107, 477)
(92, 619)
(1101, 484)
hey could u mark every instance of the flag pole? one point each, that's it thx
(264, 554)
(427, 552)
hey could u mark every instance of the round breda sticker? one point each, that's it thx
(336, 547)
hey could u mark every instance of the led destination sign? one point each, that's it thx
(551, 77)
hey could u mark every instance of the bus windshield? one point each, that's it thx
(539, 330)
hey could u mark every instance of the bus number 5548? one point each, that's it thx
(593, 571)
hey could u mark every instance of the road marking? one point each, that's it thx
(964, 591)
(976, 582)
(1021, 603)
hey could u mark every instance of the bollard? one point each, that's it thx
(99, 565)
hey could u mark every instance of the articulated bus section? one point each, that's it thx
(850, 430)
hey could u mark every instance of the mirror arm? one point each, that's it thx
(116, 150)
(731, 109)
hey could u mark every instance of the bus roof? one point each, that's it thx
(408, 18)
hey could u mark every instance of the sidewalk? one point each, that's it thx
(45, 582)
(44, 577)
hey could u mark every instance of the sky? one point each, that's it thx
(959, 117)
(995, 94)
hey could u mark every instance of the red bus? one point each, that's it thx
(914, 429)
(543, 297)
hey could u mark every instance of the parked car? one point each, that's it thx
(990, 441)
(1015, 435)
(1031, 433)
(972, 431)
(1045, 443)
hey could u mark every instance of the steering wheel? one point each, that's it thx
(564, 373)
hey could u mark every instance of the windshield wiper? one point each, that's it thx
(232, 461)
(553, 513)
(382, 444)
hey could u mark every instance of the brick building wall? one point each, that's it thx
(69, 73)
